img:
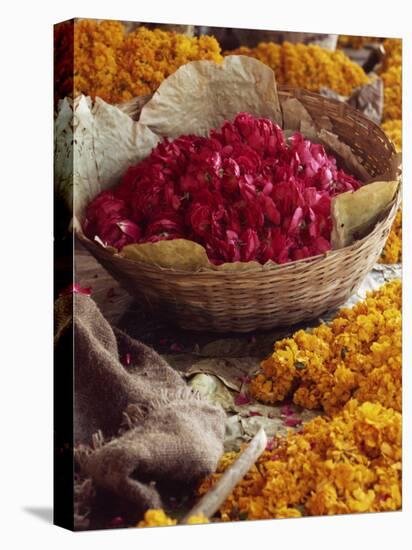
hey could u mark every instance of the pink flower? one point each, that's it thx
(292, 422)
(244, 193)
(126, 360)
(287, 410)
(241, 399)
(251, 243)
(75, 288)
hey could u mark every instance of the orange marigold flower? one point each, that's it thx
(155, 518)
(117, 65)
(358, 353)
(309, 67)
(345, 464)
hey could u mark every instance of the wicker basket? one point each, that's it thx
(275, 295)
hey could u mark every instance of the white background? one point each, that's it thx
(26, 272)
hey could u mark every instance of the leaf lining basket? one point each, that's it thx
(271, 295)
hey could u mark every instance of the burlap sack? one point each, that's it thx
(135, 425)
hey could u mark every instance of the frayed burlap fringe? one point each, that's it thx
(135, 425)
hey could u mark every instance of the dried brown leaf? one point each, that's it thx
(354, 214)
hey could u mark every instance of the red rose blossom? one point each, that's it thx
(244, 193)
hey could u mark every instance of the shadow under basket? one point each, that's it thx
(271, 295)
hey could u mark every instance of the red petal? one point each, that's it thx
(292, 422)
(241, 399)
(76, 289)
(287, 410)
(126, 360)
(296, 220)
(130, 229)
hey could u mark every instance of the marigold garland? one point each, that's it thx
(309, 67)
(356, 42)
(349, 463)
(195, 520)
(392, 253)
(116, 65)
(358, 354)
(156, 517)
(391, 74)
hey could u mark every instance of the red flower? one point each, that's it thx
(241, 399)
(244, 193)
(251, 243)
(75, 288)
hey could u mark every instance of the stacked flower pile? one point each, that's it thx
(358, 354)
(345, 463)
(391, 75)
(392, 253)
(156, 517)
(350, 461)
(243, 193)
(341, 465)
(63, 52)
(356, 42)
(309, 67)
(116, 65)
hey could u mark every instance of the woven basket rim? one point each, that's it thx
(296, 91)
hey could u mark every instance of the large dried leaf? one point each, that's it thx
(297, 118)
(212, 389)
(345, 153)
(231, 371)
(241, 346)
(201, 95)
(64, 152)
(116, 150)
(177, 253)
(181, 254)
(369, 100)
(104, 143)
(354, 214)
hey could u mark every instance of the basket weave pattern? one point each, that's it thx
(275, 295)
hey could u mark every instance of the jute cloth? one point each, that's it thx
(136, 423)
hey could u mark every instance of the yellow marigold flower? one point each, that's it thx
(287, 512)
(392, 253)
(391, 74)
(356, 42)
(345, 464)
(193, 520)
(156, 518)
(117, 65)
(393, 52)
(309, 67)
(359, 353)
